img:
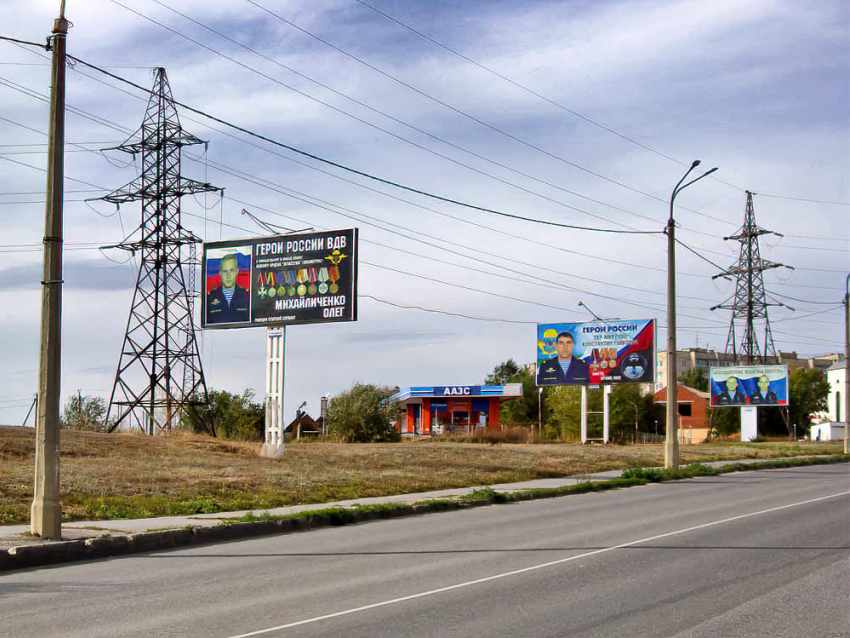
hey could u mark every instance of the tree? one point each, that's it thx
(503, 373)
(84, 412)
(631, 411)
(564, 412)
(364, 413)
(808, 393)
(725, 421)
(523, 410)
(696, 379)
(230, 416)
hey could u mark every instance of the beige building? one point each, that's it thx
(690, 358)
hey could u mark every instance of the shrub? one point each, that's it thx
(364, 414)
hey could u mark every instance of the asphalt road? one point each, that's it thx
(751, 554)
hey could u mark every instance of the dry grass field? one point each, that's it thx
(132, 476)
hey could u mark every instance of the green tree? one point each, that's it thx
(808, 393)
(84, 412)
(364, 413)
(503, 373)
(564, 411)
(229, 416)
(523, 410)
(696, 379)
(724, 421)
(631, 412)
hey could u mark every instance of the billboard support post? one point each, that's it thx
(274, 445)
(606, 412)
(671, 445)
(749, 424)
(583, 414)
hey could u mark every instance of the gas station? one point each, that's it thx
(433, 410)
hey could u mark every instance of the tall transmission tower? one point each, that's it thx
(160, 365)
(750, 303)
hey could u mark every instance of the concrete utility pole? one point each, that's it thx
(46, 513)
(671, 445)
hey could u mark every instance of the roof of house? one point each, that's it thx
(307, 424)
(698, 393)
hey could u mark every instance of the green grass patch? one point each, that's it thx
(487, 495)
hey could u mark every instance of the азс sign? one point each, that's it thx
(280, 281)
(596, 352)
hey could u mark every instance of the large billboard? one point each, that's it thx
(280, 280)
(749, 385)
(596, 352)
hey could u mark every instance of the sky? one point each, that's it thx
(574, 112)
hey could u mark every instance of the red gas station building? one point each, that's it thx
(427, 410)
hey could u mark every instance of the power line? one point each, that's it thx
(824, 303)
(382, 113)
(338, 177)
(46, 47)
(445, 312)
(368, 175)
(469, 116)
(268, 77)
(803, 199)
(522, 86)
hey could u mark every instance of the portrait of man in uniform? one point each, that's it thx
(563, 368)
(764, 394)
(732, 394)
(228, 302)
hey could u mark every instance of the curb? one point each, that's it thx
(52, 553)
(107, 546)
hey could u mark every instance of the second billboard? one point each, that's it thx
(596, 352)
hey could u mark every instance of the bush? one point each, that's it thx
(229, 416)
(84, 413)
(363, 414)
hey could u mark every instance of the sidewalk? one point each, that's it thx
(96, 539)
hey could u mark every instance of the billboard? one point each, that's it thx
(280, 280)
(596, 352)
(749, 386)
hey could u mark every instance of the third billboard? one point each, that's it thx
(749, 385)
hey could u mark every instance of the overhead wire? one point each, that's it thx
(256, 71)
(388, 116)
(468, 115)
(524, 274)
(369, 175)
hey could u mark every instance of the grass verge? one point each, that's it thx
(489, 496)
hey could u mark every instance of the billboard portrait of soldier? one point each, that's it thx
(228, 285)
(749, 386)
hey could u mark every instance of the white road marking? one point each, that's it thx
(524, 570)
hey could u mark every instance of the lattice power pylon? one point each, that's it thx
(750, 302)
(160, 368)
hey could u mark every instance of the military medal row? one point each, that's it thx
(309, 280)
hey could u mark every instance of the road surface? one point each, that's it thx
(760, 553)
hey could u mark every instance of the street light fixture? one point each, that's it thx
(671, 445)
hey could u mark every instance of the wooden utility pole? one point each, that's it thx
(46, 514)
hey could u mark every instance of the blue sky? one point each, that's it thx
(759, 89)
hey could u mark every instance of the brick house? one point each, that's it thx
(693, 413)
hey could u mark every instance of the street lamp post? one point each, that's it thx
(539, 411)
(671, 445)
(847, 367)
